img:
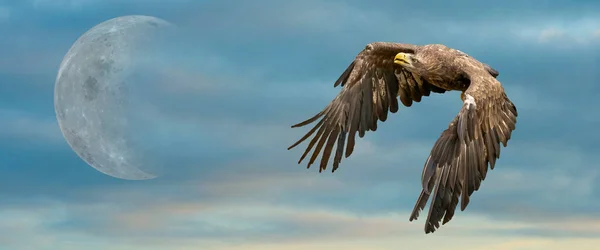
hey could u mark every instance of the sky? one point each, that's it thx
(245, 72)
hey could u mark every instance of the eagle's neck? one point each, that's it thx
(446, 76)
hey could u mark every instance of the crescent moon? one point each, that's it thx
(91, 94)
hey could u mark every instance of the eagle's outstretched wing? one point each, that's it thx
(371, 85)
(459, 160)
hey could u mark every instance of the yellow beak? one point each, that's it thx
(401, 58)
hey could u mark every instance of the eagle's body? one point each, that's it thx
(383, 73)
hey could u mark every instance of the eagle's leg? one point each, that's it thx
(462, 96)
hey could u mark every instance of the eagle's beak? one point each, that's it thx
(402, 59)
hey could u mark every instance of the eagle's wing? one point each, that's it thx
(491, 70)
(459, 159)
(371, 85)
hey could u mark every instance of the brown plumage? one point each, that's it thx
(459, 160)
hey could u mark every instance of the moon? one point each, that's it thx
(92, 93)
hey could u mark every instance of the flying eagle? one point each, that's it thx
(459, 159)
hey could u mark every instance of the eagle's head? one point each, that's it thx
(407, 60)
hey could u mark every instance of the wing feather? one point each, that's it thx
(459, 160)
(371, 85)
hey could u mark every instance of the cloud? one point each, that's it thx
(227, 226)
(61, 3)
(77, 5)
(4, 13)
(220, 110)
(338, 22)
(26, 126)
(574, 33)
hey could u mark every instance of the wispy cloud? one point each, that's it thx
(576, 33)
(267, 226)
(23, 126)
(4, 13)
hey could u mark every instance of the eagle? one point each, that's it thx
(384, 72)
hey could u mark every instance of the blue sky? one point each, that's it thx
(252, 69)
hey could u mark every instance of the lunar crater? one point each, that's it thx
(90, 87)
